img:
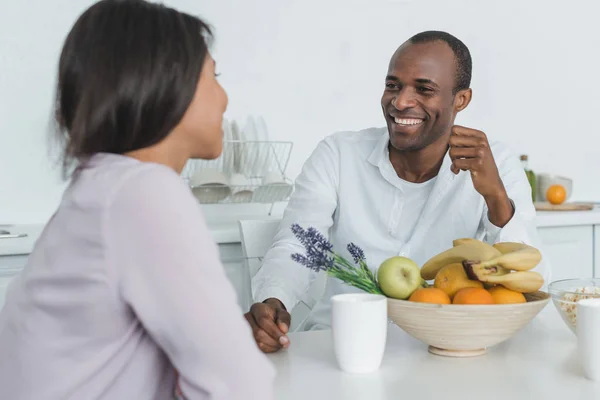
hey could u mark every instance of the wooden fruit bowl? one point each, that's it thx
(464, 330)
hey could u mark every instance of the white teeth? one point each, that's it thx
(407, 121)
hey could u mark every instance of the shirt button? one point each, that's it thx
(405, 250)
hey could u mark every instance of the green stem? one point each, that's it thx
(365, 267)
(345, 263)
(352, 280)
(357, 281)
(362, 277)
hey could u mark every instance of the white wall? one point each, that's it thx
(312, 67)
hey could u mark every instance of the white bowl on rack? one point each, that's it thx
(274, 188)
(236, 175)
(210, 185)
(273, 178)
(241, 188)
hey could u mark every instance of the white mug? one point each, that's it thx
(588, 337)
(359, 328)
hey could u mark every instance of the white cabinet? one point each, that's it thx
(10, 266)
(236, 269)
(569, 251)
(230, 254)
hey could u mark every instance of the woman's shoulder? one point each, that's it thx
(153, 184)
(119, 181)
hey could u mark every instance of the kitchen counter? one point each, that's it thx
(225, 229)
(223, 224)
(546, 219)
(539, 362)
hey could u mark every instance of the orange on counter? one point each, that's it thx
(502, 295)
(429, 295)
(556, 194)
(473, 296)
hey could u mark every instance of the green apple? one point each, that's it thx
(398, 277)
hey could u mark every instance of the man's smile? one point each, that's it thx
(405, 123)
(408, 121)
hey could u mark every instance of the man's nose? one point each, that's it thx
(404, 99)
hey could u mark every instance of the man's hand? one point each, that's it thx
(270, 324)
(470, 151)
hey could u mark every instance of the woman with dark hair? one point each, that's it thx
(125, 286)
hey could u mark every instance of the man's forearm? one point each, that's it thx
(500, 209)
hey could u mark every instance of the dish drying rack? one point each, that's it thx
(246, 172)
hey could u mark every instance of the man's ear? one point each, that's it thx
(462, 99)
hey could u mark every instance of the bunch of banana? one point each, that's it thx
(458, 242)
(520, 281)
(511, 269)
(507, 264)
(464, 249)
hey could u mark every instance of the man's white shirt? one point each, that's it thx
(349, 191)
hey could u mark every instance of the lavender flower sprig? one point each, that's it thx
(359, 258)
(319, 256)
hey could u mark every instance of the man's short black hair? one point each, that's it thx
(464, 64)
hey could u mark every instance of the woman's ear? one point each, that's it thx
(462, 99)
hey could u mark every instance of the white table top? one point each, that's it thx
(538, 363)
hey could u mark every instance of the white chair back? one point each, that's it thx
(257, 237)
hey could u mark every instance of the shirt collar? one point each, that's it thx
(380, 158)
(380, 149)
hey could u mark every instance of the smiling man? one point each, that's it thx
(408, 189)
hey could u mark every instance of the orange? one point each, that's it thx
(452, 278)
(429, 295)
(503, 295)
(473, 296)
(556, 194)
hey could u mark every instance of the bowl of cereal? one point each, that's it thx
(566, 293)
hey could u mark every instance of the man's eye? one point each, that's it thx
(391, 86)
(424, 89)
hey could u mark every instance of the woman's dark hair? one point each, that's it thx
(127, 73)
